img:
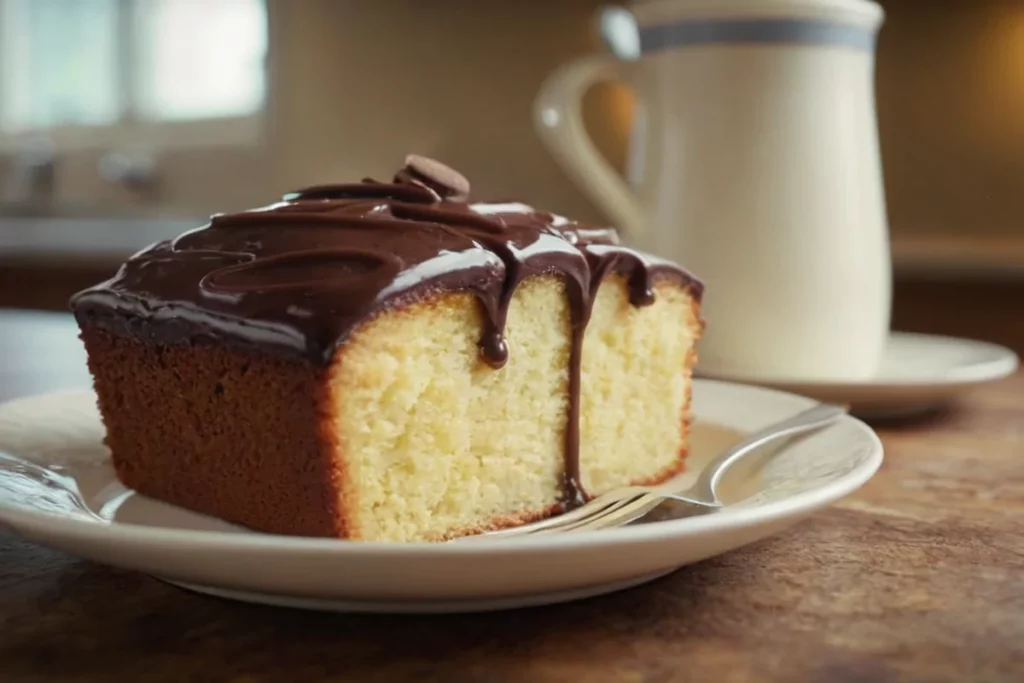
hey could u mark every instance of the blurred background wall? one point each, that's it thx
(351, 87)
(123, 121)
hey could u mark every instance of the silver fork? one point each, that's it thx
(629, 503)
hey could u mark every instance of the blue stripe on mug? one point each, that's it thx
(775, 31)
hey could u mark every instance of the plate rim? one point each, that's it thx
(424, 605)
(140, 535)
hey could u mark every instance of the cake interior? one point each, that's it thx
(407, 434)
(438, 443)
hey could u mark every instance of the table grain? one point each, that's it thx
(919, 576)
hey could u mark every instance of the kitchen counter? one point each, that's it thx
(104, 241)
(958, 257)
(113, 239)
(919, 576)
(44, 261)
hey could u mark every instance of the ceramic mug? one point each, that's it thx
(754, 161)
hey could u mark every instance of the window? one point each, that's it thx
(86, 65)
(50, 76)
(200, 59)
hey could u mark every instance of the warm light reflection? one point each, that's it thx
(608, 116)
(1000, 68)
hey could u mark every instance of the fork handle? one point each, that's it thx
(704, 490)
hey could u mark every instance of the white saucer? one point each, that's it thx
(919, 372)
(77, 505)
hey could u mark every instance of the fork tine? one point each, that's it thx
(611, 510)
(616, 515)
(626, 503)
(592, 507)
(598, 517)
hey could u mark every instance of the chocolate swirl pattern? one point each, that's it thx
(298, 276)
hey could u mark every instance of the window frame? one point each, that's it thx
(235, 132)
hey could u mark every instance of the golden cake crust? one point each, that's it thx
(222, 432)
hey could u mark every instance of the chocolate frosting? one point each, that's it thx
(295, 278)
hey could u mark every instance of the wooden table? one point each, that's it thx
(917, 577)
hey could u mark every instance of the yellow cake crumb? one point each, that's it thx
(431, 439)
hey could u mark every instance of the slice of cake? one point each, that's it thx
(391, 362)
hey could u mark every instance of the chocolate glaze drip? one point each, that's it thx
(296, 277)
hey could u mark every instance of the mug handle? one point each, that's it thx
(558, 119)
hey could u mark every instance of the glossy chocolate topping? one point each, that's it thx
(296, 277)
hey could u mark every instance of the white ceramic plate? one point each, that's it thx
(77, 505)
(918, 372)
